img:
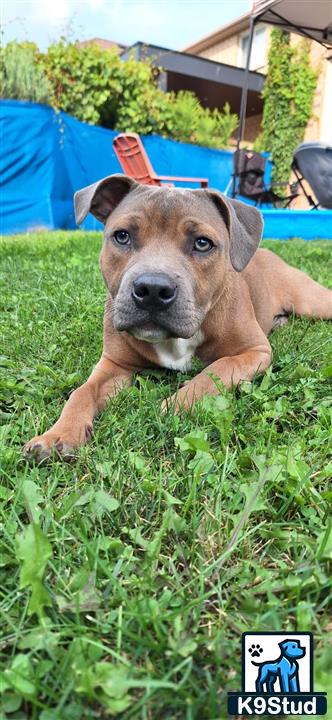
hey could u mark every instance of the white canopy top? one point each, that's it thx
(311, 18)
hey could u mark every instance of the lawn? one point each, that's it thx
(129, 575)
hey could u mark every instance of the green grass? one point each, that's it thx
(129, 575)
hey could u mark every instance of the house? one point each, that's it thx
(229, 44)
(213, 68)
(214, 82)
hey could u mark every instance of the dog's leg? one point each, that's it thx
(261, 679)
(230, 370)
(259, 685)
(294, 685)
(270, 684)
(74, 427)
(284, 682)
(305, 296)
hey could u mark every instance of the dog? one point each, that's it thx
(184, 277)
(285, 668)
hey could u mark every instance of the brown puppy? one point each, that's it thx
(183, 278)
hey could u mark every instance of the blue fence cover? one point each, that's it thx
(47, 156)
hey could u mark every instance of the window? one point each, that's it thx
(258, 55)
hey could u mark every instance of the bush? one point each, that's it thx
(21, 77)
(140, 106)
(216, 128)
(82, 78)
(189, 122)
(185, 115)
(96, 86)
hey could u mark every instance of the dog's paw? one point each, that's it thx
(183, 399)
(56, 444)
(176, 403)
(48, 445)
(255, 650)
(191, 392)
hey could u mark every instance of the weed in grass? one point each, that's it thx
(129, 575)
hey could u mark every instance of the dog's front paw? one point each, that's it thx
(192, 391)
(183, 399)
(56, 443)
(49, 445)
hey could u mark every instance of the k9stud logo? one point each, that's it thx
(277, 676)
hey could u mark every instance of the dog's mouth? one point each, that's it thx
(150, 333)
(155, 329)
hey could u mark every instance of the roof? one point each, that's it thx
(104, 44)
(233, 28)
(192, 65)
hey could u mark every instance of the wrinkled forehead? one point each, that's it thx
(166, 208)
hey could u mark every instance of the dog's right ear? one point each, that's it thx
(102, 197)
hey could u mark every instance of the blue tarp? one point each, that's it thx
(47, 156)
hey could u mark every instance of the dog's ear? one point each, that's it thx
(102, 197)
(245, 227)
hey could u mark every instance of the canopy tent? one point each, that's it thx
(310, 18)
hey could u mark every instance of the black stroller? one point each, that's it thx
(248, 181)
(313, 162)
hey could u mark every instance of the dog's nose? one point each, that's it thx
(154, 291)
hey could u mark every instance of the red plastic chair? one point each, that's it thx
(134, 161)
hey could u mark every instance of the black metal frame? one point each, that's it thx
(300, 178)
(244, 95)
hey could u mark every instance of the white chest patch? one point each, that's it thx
(177, 353)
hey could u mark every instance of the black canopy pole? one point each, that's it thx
(244, 95)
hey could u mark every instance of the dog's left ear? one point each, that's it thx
(245, 227)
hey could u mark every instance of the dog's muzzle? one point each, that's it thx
(154, 291)
(156, 305)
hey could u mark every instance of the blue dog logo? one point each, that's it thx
(285, 668)
(281, 687)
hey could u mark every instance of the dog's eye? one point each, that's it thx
(122, 237)
(203, 245)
